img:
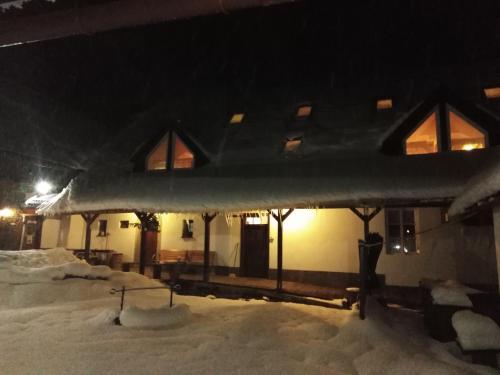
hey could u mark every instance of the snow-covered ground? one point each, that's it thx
(66, 326)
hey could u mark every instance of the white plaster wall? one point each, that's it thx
(125, 241)
(50, 233)
(319, 240)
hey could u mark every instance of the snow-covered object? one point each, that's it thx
(450, 296)
(476, 331)
(485, 183)
(162, 317)
(29, 266)
(340, 179)
(99, 272)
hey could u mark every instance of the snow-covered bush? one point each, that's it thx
(450, 296)
(476, 331)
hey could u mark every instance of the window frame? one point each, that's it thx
(401, 225)
(449, 109)
(170, 136)
(435, 110)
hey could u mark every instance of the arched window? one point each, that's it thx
(161, 158)
(463, 134)
(424, 139)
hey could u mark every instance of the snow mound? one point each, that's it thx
(442, 295)
(475, 331)
(36, 258)
(32, 266)
(162, 317)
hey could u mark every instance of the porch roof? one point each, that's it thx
(337, 181)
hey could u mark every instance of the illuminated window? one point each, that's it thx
(157, 159)
(183, 157)
(292, 145)
(400, 231)
(237, 118)
(424, 140)
(492, 93)
(384, 104)
(303, 111)
(464, 135)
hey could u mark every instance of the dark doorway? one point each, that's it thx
(150, 245)
(254, 260)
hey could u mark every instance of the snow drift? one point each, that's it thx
(162, 317)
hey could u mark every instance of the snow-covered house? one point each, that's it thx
(314, 117)
(407, 156)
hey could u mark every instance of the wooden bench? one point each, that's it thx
(172, 256)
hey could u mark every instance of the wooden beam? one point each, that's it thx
(147, 220)
(207, 218)
(89, 218)
(363, 268)
(280, 218)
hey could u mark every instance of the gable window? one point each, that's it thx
(183, 157)
(237, 118)
(157, 159)
(400, 231)
(424, 139)
(162, 158)
(102, 228)
(463, 134)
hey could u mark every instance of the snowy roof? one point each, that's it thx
(337, 181)
(482, 185)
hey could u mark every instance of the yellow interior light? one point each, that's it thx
(384, 104)
(304, 111)
(237, 118)
(492, 92)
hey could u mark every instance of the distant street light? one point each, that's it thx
(43, 187)
(7, 212)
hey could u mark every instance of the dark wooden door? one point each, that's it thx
(150, 245)
(254, 260)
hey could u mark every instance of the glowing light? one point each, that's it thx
(384, 104)
(471, 146)
(237, 118)
(492, 92)
(43, 187)
(299, 219)
(7, 212)
(304, 111)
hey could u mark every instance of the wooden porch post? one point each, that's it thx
(89, 219)
(280, 218)
(207, 218)
(363, 256)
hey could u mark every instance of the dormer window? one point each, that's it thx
(237, 118)
(424, 139)
(492, 93)
(292, 145)
(170, 153)
(384, 104)
(464, 135)
(303, 111)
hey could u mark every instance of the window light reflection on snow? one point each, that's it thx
(299, 219)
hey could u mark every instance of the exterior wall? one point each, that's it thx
(314, 240)
(50, 233)
(125, 241)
